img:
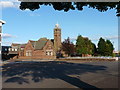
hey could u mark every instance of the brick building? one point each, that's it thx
(41, 49)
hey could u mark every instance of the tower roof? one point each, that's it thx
(57, 25)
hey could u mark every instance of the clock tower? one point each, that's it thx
(57, 38)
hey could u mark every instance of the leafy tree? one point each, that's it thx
(68, 47)
(80, 45)
(88, 45)
(84, 45)
(66, 6)
(101, 46)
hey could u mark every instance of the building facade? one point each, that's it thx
(41, 49)
(1, 23)
(57, 38)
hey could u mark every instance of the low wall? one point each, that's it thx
(49, 57)
(68, 58)
(91, 58)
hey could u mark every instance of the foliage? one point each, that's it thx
(110, 48)
(66, 6)
(68, 47)
(101, 46)
(105, 48)
(84, 45)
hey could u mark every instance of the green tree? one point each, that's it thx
(105, 48)
(84, 45)
(80, 45)
(88, 45)
(109, 48)
(101, 47)
(68, 47)
(66, 6)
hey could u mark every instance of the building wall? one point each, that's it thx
(0, 40)
(57, 38)
(28, 49)
(47, 52)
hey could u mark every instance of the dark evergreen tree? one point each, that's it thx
(109, 48)
(105, 48)
(101, 47)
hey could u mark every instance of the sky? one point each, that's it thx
(24, 25)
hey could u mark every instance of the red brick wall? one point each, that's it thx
(28, 47)
(39, 54)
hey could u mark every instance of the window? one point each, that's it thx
(5, 49)
(12, 49)
(21, 48)
(49, 53)
(46, 53)
(9, 49)
(28, 53)
(15, 49)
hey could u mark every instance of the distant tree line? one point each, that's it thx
(84, 46)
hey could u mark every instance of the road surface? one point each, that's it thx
(61, 74)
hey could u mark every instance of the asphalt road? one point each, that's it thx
(61, 74)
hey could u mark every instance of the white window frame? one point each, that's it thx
(12, 49)
(15, 49)
(9, 49)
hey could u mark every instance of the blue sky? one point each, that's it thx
(22, 26)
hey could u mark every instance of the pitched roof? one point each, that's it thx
(22, 45)
(32, 42)
(18, 46)
(39, 44)
(15, 44)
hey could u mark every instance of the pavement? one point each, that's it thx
(61, 74)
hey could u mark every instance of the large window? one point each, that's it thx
(15, 49)
(28, 53)
(49, 53)
(9, 49)
(12, 49)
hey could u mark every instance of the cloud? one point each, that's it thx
(5, 35)
(9, 3)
